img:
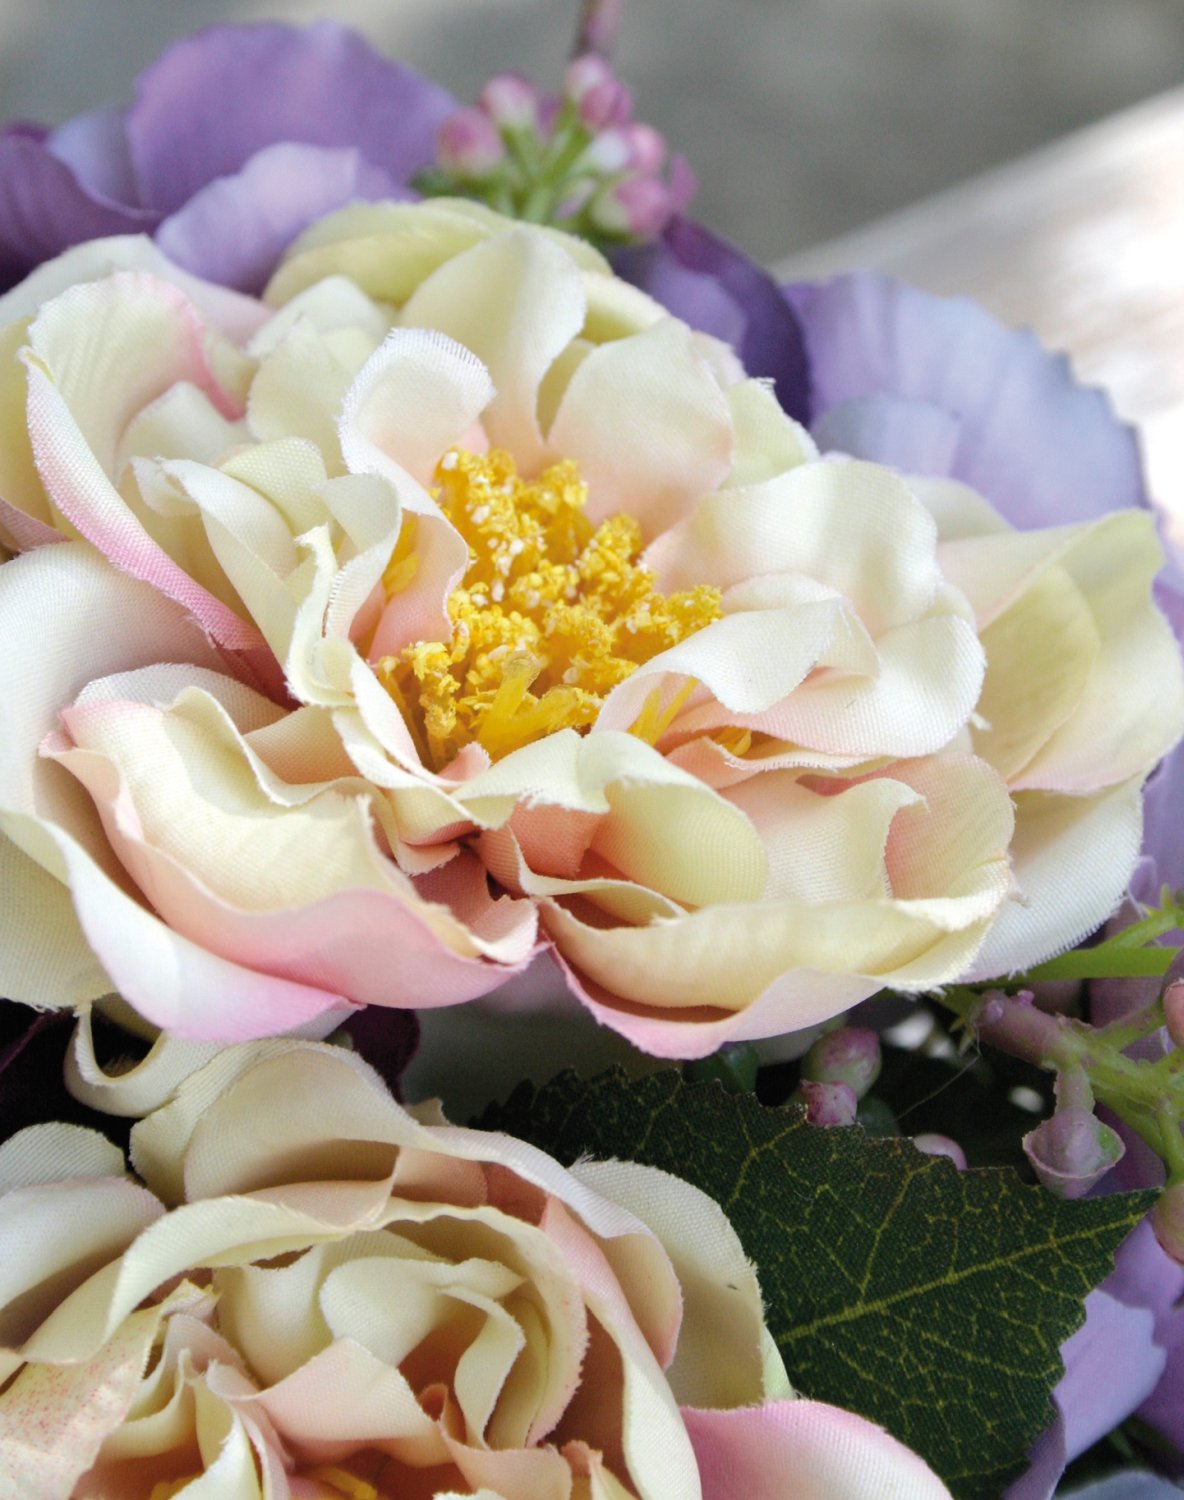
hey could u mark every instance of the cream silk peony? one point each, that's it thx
(457, 605)
(317, 1294)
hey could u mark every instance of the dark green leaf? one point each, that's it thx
(931, 1301)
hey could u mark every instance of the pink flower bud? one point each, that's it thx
(608, 153)
(850, 1055)
(647, 146)
(605, 104)
(1173, 1011)
(1167, 1220)
(941, 1145)
(511, 101)
(828, 1103)
(586, 73)
(468, 145)
(638, 207)
(1072, 1151)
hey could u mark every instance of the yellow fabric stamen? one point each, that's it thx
(165, 1489)
(552, 613)
(341, 1482)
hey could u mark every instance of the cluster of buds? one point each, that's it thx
(1072, 1150)
(579, 162)
(837, 1072)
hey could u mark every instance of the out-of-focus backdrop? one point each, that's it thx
(802, 118)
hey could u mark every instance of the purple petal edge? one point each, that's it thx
(716, 288)
(234, 230)
(214, 99)
(1040, 447)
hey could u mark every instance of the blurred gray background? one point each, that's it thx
(803, 118)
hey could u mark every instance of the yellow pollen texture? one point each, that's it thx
(552, 612)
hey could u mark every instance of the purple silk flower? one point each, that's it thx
(238, 138)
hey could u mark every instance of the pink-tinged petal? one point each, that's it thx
(214, 99)
(416, 396)
(798, 1000)
(177, 985)
(804, 1450)
(67, 617)
(234, 315)
(516, 301)
(648, 425)
(142, 337)
(54, 1418)
(234, 230)
(21, 532)
(44, 208)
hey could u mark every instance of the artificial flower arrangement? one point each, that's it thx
(468, 626)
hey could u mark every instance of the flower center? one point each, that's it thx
(552, 612)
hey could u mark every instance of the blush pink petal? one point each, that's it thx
(517, 302)
(804, 1450)
(80, 401)
(617, 413)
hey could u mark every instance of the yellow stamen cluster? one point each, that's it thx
(551, 615)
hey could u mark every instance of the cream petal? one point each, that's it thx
(1127, 719)
(652, 1436)
(28, 515)
(236, 315)
(133, 1091)
(824, 847)
(56, 1152)
(1041, 651)
(768, 442)
(54, 1236)
(141, 336)
(855, 527)
(646, 422)
(516, 301)
(719, 1359)
(1072, 858)
(44, 958)
(416, 397)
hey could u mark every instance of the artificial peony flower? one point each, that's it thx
(238, 137)
(318, 1294)
(460, 604)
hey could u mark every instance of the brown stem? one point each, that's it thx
(599, 22)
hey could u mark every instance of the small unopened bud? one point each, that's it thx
(828, 1103)
(638, 207)
(468, 145)
(511, 101)
(941, 1145)
(647, 146)
(606, 104)
(1072, 1150)
(1167, 1220)
(850, 1055)
(584, 74)
(607, 153)
(1173, 1011)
